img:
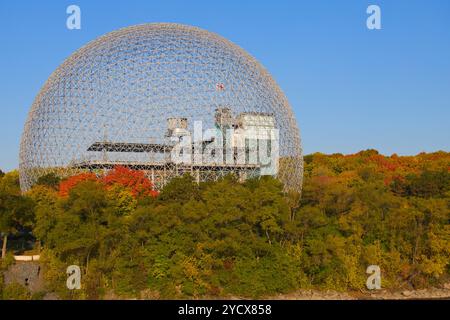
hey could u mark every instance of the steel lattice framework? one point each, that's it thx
(118, 99)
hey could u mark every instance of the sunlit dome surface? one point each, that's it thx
(112, 100)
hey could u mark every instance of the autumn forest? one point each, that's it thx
(225, 238)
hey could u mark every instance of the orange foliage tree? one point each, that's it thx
(66, 185)
(135, 180)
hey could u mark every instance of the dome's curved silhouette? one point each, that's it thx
(122, 99)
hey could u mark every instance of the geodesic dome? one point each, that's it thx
(122, 98)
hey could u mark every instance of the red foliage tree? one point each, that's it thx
(133, 179)
(66, 185)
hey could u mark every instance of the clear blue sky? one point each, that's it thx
(350, 88)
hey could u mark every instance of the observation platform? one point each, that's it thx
(129, 147)
(138, 165)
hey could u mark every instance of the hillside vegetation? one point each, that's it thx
(226, 238)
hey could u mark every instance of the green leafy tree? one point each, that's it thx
(50, 180)
(16, 214)
(16, 211)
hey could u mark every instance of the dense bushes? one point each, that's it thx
(227, 238)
